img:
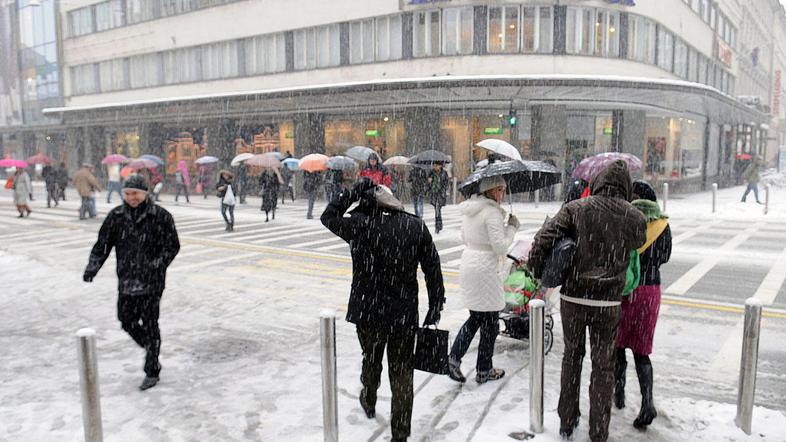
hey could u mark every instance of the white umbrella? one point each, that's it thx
(242, 157)
(207, 159)
(501, 147)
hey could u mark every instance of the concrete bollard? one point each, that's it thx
(714, 196)
(537, 198)
(536, 355)
(327, 332)
(88, 384)
(766, 199)
(665, 195)
(748, 365)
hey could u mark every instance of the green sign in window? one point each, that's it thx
(493, 131)
(372, 133)
(607, 131)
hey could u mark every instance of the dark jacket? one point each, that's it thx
(62, 177)
(50, 177)
(268, 186)
(417, 182)
(386, 246)
(311, 181)
(225, 178)
(145, 242)
(655, 256)
(605, 226)
(438, 187)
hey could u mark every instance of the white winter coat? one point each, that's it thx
(487, 240)
(22, 189)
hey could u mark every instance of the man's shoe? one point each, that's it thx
(369, 409)
(454, 371)
(491, 375)
(149, 382)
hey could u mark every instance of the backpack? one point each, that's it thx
(633, 274)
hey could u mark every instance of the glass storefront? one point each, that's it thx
(385, 135)
(674, 148)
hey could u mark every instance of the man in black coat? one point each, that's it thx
(145, 241)
(387, 244)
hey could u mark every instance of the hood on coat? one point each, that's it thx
(379, 198)
(643, 190)
(613, 181)
(379, 165)
(225, 173)
(475, 204)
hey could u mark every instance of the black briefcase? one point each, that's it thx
(431, 350)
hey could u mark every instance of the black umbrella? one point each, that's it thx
(429, 157)
(520, 176)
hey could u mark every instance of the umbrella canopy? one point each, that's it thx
(360, 153)
(481, 164)
(153, 158)
(339, 162)
(39, 158)
(292, 163)
(241, 158)
(501, 147)
(141, 163)
(264, 160)
(276, 154)
(315, 162)
(520, 176)
(10, 162)
(429, 157)
(207, 159)
(590, 167)
(114, 159)
(397, 161)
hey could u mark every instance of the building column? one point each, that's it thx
(548, 131)
(421, 128)
(633, 131)
(220, 140)
(309, 134)
(75, 145)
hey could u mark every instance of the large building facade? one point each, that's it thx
(687, 85)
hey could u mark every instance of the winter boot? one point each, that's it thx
(648, 412)
(149, 382)
(619, 379)
(368, 408)
(454, 371)
(491, 375)
(566, 433)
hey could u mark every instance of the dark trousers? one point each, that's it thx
(755, 188)
(113, 186)
(488, 323)
(312, 197)
(181, 188)
(400, 344)
(224, 208)
(51, 195)
(138, 316)
(438, 217)
(602, 323)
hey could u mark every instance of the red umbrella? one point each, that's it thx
(315, 162)
(39, 158)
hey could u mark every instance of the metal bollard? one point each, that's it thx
(537, 198)
(766, 199)
(327, 331)
(714, 196)
(536, 332)
(88, 384)
(455, 189)
(750, 357)
(665, 195)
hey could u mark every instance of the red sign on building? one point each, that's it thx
(776, 94)
(724, 52)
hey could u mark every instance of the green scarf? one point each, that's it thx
(650, 209)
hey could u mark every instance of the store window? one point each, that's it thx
(425, 30)
(457, 26)
(674, 148)
(641, 35)
(265, 54)
(145, 70)
(388, 42)
(665, 49)
(109, 15)
(84, 79)
(361, 41)
(113, 74)
(80, 21)
(503, 29)
(219, 60)
(140, 10)
(680, 58)
(592, 32)
(317, 47)
(537, 23)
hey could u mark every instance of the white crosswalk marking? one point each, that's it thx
(224, 261)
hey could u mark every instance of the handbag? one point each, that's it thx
(559, 263)
(9, 183)
(229, 197)
(199, 188)
(431, 350)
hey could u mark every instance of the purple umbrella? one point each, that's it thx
(590, 167)
(114, 159)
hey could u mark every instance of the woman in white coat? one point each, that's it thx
(487, 237)
(23, 189)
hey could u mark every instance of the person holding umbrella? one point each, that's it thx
(311, 183)
(227, 195)
(487, 232)
(113, 181)
(269, 183)
(86, 185)
(50, 179)
(376, 171)
(417, 188)
(182, 180)
(22, 190)
(437, 189)
(204, 178)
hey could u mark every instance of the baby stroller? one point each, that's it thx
(521, 287)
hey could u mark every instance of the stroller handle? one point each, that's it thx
(514, 259)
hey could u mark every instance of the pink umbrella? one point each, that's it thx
(10, 162)
(590, 167)
(141, 163)
(182, 167)
(114, 159)
(39, 158)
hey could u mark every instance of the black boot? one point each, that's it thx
(367, 403)
(648, 412)
(619, 379)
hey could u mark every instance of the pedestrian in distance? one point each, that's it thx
(751, 175)
(417, 188)
(605, 227)
(62, 181)
(145, 240)
(86, 185)
(242, 182)
(334, 183)
(50, 179)
(376, 171)
(487, 236)
(639, 310)
(437, 189)
(286, 186)
(226, 193)
(311, 183)
(386, 244)
(182, 180)
(113, 182)
(269, 182)
(205, 179)
(22, 189)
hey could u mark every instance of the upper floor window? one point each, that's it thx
(361, 41)
(219, 60)
(537, 22)
(109, 15)
(84, 79)
(113, 74)
(457, 27)
(80, 21)
(317, 47)
(592, 32)
(182, 65)
(145, 70)
(265, 54)
(503, 29)
(425, 30)
(140, 10)
(174, 7)
(641, 39)
(680, 58)
(665, 49)
(388, 45)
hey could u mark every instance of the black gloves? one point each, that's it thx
(432, 317)
(88, 277)
(362, 185)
